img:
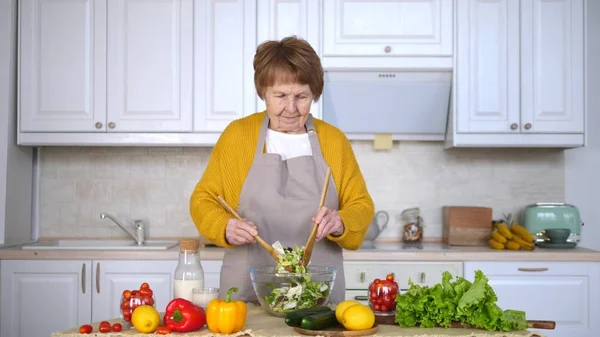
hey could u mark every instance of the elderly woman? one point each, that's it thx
(271, 167)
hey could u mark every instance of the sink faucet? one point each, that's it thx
(138, 236)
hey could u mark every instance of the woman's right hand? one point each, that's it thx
(240, 232)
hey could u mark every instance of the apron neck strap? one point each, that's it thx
(310, 129)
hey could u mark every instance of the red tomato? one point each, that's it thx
(117, 327)
(86, 329)
(144, 286)
(146, 292)
(104, 328)
(126, 294)
(163, 330)
(148, 300)
(390, 277)
(105, 323)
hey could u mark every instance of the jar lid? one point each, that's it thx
(189, 244)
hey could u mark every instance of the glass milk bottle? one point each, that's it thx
(189, 273)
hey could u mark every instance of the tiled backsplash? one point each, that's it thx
(155, 184)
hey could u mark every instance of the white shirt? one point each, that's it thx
(288, 145)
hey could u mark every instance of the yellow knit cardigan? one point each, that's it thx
(230, 163)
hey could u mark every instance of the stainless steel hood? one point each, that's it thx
(410, 105)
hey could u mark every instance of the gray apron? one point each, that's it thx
(280, 198)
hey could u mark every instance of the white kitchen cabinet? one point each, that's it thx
(564, 292)
(519, 73)
(57, 294)
(105, 66)
(64, 294)
(360, 273)
(379, 31)
(278, 19)
(224, 48)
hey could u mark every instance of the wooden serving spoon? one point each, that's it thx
(262, 242)
(313, 235)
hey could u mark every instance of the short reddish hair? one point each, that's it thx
(291, 60)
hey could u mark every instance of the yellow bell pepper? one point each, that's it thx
(226, 316)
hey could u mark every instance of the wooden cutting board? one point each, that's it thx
(546, 325)
(337, 331)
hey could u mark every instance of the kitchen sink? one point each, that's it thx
(84, 244)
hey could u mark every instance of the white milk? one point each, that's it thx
(183, 288)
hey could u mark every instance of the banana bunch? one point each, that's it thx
(512, 237)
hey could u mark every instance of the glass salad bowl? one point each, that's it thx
(280, 293)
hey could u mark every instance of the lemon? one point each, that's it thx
(145, 319)
(341, 307)
(358, 317)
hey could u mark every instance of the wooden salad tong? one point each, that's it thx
(313, 235)
(262, 242)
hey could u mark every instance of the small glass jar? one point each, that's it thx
(203, 296)
(131, 299)
(188, 273)
(382, 297)
(412, 229)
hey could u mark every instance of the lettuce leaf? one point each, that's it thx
(456, 300)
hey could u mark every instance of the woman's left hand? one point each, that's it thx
(329, 222)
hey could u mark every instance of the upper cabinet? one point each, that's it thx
(519, 73)
(224, 47)
(98, 66)
(177, 72)
(395, 33)
(278, 19)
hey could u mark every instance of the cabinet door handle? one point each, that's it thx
(362, 277)
(98, 277)
(423, 276)
(533, 269)
(514, 126)
(527, 126)
(361, 298)
(83, 278)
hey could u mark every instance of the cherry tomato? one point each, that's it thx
(163, 330)
(377, 307)
(372, 287)
(126, 294)
(377, 281)
(144, 286)
(104, 328)
(117, 327)
(384, 308)
(390, 277)
(127, 316)
(146, 292)
(125, 306)
(374, 295)
(105, 323)
(148, 300)
(86, 329)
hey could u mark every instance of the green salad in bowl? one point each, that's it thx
(290, 285)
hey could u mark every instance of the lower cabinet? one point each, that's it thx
(63, 294)
(360, 273)
(564, 292)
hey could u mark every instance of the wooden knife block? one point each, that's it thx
(466, 226)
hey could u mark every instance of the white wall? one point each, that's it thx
(582, 166)
(15, 162)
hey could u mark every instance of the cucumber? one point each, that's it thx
(319, 321)
(294, 318)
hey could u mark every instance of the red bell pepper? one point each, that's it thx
(182, 315)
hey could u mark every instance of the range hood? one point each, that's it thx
(410, 105)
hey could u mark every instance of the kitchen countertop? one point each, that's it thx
(432, 251)
(259, 323)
